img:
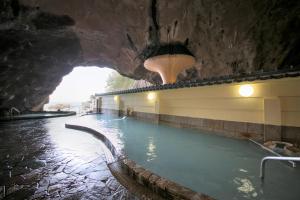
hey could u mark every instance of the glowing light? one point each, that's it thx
(151, 153)
(246, 90)
(151, 96)
(116, 98)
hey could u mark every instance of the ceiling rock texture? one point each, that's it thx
(42, 40)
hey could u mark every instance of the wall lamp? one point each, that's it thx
(151, 96)
(246, 90)
(116, 97)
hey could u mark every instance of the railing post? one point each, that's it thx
(262, 168)
(281, 158)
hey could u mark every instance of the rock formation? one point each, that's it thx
(42, 40)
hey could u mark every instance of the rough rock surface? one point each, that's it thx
(41, 41)
(40, 159)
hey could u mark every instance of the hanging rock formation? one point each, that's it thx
(41, 41)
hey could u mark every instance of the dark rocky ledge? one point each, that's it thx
(151, 183)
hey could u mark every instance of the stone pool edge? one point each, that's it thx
(157, 184)
(62, 114)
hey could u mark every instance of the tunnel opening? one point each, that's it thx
(76, 88)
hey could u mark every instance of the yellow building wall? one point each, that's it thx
(211, 103)
(223, 102)
(110, 102)
(138, 102)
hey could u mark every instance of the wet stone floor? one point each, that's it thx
(40, 159)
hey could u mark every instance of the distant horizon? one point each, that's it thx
(77, 86)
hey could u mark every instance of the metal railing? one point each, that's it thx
(265, 159)
(271, 151)
(12, 109)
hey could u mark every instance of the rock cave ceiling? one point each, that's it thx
(42, 40)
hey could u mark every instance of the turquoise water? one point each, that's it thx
(221, 167)
(39, 115)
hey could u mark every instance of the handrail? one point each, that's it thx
(14, 109)
(271, 151)
(265, 159)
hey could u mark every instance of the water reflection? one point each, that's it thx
(245, 186)
(151, 153)
(77, 143)
(243, 170)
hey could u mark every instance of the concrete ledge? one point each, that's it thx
(241, 130)
(133, 186)
(164, 187)
(157, 184)
(26, 116)
(150, 117)
(110, 111)
(98, 135)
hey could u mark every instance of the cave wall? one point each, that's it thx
(41, 41)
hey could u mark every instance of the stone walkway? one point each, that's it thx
(40, 159)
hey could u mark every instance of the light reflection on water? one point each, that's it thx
(151, 150)
(245, 186)
(76, 144)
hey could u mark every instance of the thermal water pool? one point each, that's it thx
(220, 167)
